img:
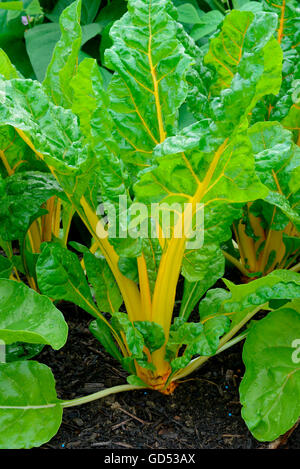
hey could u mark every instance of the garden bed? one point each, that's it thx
(204, 412)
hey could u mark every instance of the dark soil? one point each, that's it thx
(203, 412)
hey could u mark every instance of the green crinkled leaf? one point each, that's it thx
(277, 163)
(52, 131)
(26, 316)
(153, 334)
(222, 311)
(210, 263)
(288, 21)
(284, 107)
(278, 285)
(60, 276)
(201, 338)
(271, 385)
(30, 414)
(243, 35)
(100, 276)
(215, 323)
(183, 333)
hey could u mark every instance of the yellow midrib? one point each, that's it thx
(162, 133)
(281, 23)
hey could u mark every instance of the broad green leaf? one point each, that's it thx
(30, 414)
(10, 29)
(89, 31)
(26, 316)
(89, 10)
(206, 24)
(88, 93)
(64, 63)
(22, 195)
(147, 90)
(279, 284)
(60, 276)
(103, 333)
(187, 13)
(193, 291)
(40, 43)
(153, 334)
(100, 276)
(243, 35)
(7, 69)
(16, 51)
(271, 385)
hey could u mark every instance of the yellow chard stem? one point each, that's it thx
(144, 289)
(127, 287)
(57, 217)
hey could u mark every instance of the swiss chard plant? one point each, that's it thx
(123, 163)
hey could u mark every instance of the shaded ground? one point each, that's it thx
(203, 412)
